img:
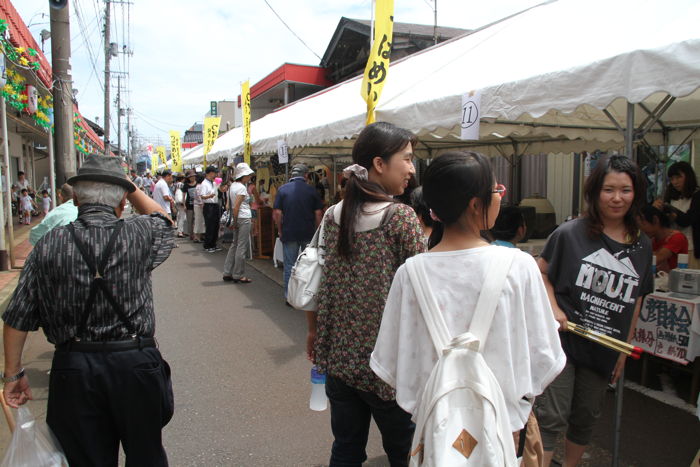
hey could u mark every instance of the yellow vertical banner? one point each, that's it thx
(154, 163)
(211, 132)
(160, 150)
(378, 62)
(176, 151)
(245, 100)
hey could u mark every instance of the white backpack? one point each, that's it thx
(462, 419)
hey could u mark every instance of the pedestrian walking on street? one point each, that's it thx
(65, 213)
(522, 350)
(138, 181)
(189, 189)
(28, 204)
(601, 257)
(209, 194)
(367, 237)
(179, 199)
(198, 210)
(162, 194)
(240, 221)
(148, 184)
(297, 212)
(88, 286)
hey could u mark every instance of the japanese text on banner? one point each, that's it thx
(378, 62)
(470, 115)
(282, 152)
(663, 328)
(176, 151)
(161, 155)
(154, 163)
(245, 100)
(211, 132)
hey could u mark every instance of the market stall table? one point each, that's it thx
(669, 328)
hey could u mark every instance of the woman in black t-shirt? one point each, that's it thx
(596, 270)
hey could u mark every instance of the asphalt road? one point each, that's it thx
(240, 376)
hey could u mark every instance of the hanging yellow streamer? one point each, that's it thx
(176, 151)
(245, 99)
(160, 150)
(378, 62)
(211, 132)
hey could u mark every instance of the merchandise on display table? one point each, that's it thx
(669, 326)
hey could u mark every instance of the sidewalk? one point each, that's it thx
(37, 351)
(22, 248)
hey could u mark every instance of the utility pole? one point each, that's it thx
(435, 34)
(119, 116)
(108, 56)
(128, 139)
(62, 91)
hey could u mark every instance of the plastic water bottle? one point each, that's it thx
(682, 261)
(318, 401)
(653, 265)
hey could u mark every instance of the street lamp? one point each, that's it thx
(45, 36)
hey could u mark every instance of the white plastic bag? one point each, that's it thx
(33, 444)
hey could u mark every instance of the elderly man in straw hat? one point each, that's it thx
(88, 285)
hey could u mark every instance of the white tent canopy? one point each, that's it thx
(545, 76)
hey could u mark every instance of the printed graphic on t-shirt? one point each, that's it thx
(608, 286)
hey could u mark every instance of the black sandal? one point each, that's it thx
(243, 280)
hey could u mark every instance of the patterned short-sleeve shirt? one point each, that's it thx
(55, 282)
(353, 294)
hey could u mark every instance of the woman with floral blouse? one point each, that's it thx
(367, 236)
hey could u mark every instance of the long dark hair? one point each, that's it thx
(421, 207)
(380, 139)
(691, 181)
(594, 184)
(451, 182)
(648, 212)
(509, 220)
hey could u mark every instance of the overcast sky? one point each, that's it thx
(186, 53)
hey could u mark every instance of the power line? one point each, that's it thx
(156, 120)
(290, 29)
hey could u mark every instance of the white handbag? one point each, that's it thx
(307, 273)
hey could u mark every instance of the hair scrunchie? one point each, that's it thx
(434, 216)
(356, 169)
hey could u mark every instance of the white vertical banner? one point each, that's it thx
(282, 151)
(470, 115)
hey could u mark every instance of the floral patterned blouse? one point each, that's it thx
(353, 293)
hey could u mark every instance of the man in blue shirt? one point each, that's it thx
(65, 213)
(297, 213)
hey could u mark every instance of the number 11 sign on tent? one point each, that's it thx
(470, 114)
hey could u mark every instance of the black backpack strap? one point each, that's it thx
(99, 282)
(522, 438)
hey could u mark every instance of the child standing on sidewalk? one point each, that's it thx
(27, 204)
(45, 201)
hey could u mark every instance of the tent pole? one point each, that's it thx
(629, 132)
(10, 241)
(335, 176)
(618, 418)
(629, 147)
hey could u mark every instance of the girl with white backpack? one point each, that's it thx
(520, 345)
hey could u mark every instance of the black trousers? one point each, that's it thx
(212, 215)
(98, 399)
(351, 412)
